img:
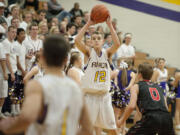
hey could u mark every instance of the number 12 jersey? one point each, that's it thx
(97, 73)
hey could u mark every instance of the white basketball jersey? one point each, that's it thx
(97, 73)
(63, 102)
(162, 75)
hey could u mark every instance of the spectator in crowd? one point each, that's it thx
(66, 37)
(57, 10)
(100, 29)
(87, 41)
(78, 20)
(10, 53)
(43, 28)
(54, 7)
(21, 68)
(3, 80)
(34, 14)
(15, 22)
(21, 53)
(3, 23)
(45, 8)
(54, 30)
(71, 29)
(27, 19)
(126, 50)
(41, 16)
(62, 27)
(5, 2)
(76, 11)
(14, 13)
(2, 7)
(85, 17)
(55, 21)
(31, 4)
(91, 30)
(107, 40)
(32, 44)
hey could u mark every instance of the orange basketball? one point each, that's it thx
(99, 13)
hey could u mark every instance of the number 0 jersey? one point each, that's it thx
(150, 98)
(97, 74)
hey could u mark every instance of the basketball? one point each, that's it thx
(99, 13)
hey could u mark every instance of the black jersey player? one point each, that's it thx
(151, 102)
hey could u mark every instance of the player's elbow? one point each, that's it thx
(131, 106)
(27, 120)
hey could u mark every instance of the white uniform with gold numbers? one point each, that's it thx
(62, 106)
(96, 86)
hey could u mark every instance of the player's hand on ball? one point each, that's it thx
(109, 21)
(91, 22)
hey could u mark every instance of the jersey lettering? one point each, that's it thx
(154, 94)
(99, 64)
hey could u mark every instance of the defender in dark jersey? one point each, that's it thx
(151, 102)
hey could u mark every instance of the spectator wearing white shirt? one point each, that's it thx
(32, 44)
(10, 53)
(126, 50)
(15, 22)
(3, 79)
(27, 19)
(21, 72)
(21, 52)
(14, 13)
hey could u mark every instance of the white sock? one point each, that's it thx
(13, 108)
(0, 109)
(17, 106)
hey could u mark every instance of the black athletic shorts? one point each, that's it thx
(153, 123)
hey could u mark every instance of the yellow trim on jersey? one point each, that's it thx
(64, 123)
(177, 2)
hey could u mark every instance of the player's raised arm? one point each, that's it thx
(78, 40)
(116, 41)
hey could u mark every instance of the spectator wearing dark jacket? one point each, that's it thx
(76, 11)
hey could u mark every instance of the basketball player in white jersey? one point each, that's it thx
(96, 81)
(53, 104)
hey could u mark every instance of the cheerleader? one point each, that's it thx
(74, 68)
(177, 86)
(125, 79)
(160, 75)
(36, 70)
